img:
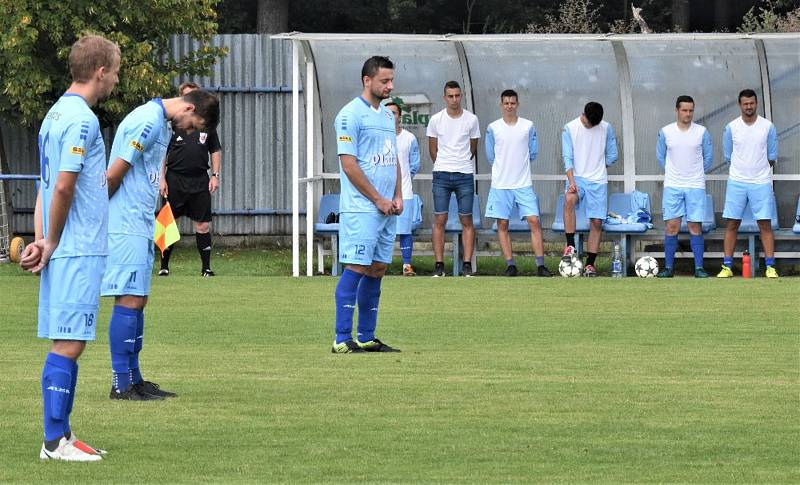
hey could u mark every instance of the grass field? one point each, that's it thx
(500, 380)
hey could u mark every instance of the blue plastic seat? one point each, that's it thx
(621, 204)
(581, 221)
(328, 204)
(515, 222)
(708, 224)
(749, 224)
(796, 227)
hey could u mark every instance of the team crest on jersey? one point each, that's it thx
(345, 139)
(203, 137)
(137, 146)
(77, 151)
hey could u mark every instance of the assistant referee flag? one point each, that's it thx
(166, 229)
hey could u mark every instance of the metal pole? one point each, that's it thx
(309, 92)
(295, 159)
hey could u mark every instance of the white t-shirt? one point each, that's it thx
(588, 150)
(408, 156)
(684, 156)
(453, 136)
(746, 147)
(511, 148)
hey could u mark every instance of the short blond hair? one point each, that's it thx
(90, 53)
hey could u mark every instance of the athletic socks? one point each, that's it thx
(590, 259)
(510, 262)
(369, 295)
(406, 247)
(345, 298)
(698, 247)
(769, 261)
(121, 341)
(570, 239)
(670, 246)
(71, 401)
(204, 248)
(135, 374)
(728, 261)
(539, 261)
(57, 381)
(165, 257)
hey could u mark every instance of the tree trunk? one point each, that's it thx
(680, 15)
(721, 15)
(273, 16)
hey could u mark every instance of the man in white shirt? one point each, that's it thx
(453, 135)
(510, 149)
(408, 158)
(750, 145)
(685, 153)
(588, 146)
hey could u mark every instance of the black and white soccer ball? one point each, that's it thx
(571, 268)
(646, 267)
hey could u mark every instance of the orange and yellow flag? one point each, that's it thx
(166, 229)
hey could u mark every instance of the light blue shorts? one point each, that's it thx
(130, 265)
(405, 221)
(738, 194)
(69, 297)
(594, 195)
(365, 237)
(501, 203)
(679, 201)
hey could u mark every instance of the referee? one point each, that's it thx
(187, 186)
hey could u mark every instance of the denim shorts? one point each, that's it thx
(446, 183)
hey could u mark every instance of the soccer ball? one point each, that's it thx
(571, 268)
(646, 267)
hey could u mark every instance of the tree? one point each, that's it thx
(768, 18)
(35, 39)
(273, 16)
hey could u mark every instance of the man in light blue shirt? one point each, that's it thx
(70, 223)
(371, 199)
(133, 181)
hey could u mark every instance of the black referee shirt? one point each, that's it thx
(188, 158)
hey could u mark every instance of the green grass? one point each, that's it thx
(500, 380)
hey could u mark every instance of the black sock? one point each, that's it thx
(590, 258)
(204, 248)
(440, 264)
(165, 257)
(570, 238)
(52, 444)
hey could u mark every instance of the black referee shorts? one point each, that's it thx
(195, 205)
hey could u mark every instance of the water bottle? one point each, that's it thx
(616, 261)
(746, 264)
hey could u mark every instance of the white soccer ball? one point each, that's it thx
(646, 267)
(571, 268)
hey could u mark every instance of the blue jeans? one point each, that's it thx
(446, 183)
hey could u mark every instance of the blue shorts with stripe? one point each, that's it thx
(760, 196)
(365, 237)
(69, 297)
(501, 202)
(682, 201)
(594, 195)
(130, 265)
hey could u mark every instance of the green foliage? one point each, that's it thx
(36, 35)
(768, 18)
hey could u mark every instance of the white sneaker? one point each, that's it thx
(74, 441)
(66, 451)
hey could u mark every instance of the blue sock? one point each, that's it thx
(769, 261)
(698, 248)
(670, 246)
(71, 401)
(56, 384)
(510, 262)
(369, 295)
(728, 261)
(121, 341)
(136, 375)
(539, 260)
(345, 298)
(406, 247)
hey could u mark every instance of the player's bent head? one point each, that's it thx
(593, 112)
(187, 87)
(747, 93)
(684, 98)
(206, 106)
(509, 93)
(90, 53)
(373, 65)
(451, 85)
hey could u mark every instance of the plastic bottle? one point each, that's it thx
(616, 262)
(746, 264)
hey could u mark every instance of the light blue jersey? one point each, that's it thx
(368, 135)
(141, 140)
(70, 141)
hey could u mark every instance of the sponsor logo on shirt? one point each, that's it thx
(345, 139)
(78, 151)
(137, 146)
(203, 137)
(387, 157)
